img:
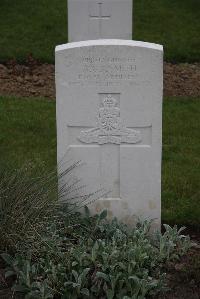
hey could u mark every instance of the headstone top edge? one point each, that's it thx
(109, 42)
(71, 1)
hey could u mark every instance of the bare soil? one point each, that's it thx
(36, 79)
(183, 277)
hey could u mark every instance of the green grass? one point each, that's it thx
(173, 23)
(32, 26)
(28, 135)
(181, 161)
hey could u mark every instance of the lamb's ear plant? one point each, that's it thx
(102, 259)
(172, 243)
(53, 251)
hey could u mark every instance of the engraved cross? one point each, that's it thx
(100, 17)
(108, 137)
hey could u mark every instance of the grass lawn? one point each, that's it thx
(28, 135)
(181, 161)
(37, 26)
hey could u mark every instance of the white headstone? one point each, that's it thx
(109, 115)
(97, 19)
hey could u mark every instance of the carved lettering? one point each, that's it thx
(105, 70)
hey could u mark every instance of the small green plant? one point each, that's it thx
(172, 243)
(89, 257)
(28, 205)
(23, 202)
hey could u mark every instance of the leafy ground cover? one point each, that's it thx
(28, 136)
(99, 259)
(50, 251)
(38, 26)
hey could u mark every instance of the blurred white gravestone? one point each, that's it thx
(99, 19)
(109, 115)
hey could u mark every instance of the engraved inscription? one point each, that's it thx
(110, 128)
(106, 70)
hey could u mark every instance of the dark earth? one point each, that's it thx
(183, 276)
(34, 79)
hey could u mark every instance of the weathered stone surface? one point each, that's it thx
(92, 19)
(109, 115)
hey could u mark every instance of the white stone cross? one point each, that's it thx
(100, 17)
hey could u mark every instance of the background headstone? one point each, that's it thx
(109, 115)
(99, 19)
